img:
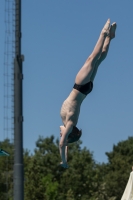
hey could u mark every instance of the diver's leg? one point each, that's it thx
(104, 50)
(102, 57)
(85, 72)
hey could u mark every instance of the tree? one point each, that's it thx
(118, 168)
(6, 171)
(85, 179)
(46, 179)
(51, 187)
(41, 171)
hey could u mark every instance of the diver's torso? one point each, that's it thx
(71, 107)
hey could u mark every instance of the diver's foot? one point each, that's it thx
(106, 28)
(112, 30)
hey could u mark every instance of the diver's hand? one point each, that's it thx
(64, 165)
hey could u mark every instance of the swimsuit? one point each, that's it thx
(84, 89)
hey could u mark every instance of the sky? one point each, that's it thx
(57, 38)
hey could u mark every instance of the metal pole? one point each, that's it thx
(18, 109)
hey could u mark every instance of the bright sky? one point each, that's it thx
(57, 38)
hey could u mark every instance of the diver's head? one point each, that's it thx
(74, 135)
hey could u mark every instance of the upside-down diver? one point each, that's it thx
(83, 86)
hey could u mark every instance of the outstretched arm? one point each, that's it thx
(66, 153)
(63, 141)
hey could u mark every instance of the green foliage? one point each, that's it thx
(84, 179)
(51, 187)
(119, 168)
(42, 171)
(6, 171)
(55, 182)
(70, 195)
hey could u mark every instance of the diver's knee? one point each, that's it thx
(103, 56)
(91, 60)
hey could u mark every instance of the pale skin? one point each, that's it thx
(71, 107)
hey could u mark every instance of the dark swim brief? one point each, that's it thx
(84, 89)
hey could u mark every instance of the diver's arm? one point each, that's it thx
(66, 153)
(63, 142)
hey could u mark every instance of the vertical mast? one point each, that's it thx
(18, 109)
